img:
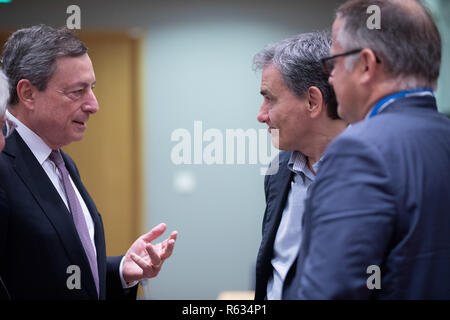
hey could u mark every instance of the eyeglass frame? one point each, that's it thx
(324, 60)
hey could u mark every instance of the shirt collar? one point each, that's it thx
(298, 163)
(386, 101)
(37, 146)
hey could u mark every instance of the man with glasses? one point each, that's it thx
(52, 243)
(377, 221)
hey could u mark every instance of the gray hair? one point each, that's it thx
(408, 43)
(4, 93)
(31, 54)
(298, 61)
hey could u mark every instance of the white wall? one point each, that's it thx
(199, 68)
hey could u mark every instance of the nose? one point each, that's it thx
(262, 114)
(330, 78)
(91, 104)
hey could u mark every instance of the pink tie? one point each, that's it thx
(78, 216)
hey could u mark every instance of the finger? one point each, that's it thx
(154, 257)
(139, 261)
(174, 235)
(154, 233)
(167, 252)
(163, 246)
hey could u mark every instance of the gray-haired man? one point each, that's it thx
(4, 96)
(299, 108)
(7, 128)
(49, 225)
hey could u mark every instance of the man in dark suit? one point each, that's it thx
(300, 109)
(52, 243)
(377, 222)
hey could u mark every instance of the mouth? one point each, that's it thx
(80, 123)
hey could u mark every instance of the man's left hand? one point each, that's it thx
(144, 260)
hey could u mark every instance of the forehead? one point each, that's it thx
(271, 79)
(335, 45)
(70, 70)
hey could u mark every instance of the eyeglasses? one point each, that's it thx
(328, 62)
(8, 127)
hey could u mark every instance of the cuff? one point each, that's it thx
(125, 284)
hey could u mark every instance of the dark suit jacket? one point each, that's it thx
(381, 197)
(38, 238)
(276, 188)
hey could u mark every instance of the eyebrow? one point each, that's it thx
(80, 84)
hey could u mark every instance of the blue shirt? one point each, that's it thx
(289, 234)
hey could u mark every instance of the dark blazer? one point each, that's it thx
(381, 197)
(276, 189)
(38, 238)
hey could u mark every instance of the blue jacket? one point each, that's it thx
(381, 197)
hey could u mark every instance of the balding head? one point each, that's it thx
(408, 41)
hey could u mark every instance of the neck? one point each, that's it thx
(18, 113)
(385, 88)
(13, 111)
(321, 138)
(21, 115)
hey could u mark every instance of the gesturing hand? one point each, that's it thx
(144, 260)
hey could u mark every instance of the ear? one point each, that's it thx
(315, 102)
(26, 92)
(367, 65)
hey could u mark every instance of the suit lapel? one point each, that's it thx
(278, 190)
(40, 186)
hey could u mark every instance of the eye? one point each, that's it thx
(76, 94)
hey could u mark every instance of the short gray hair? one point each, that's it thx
(298, 61)
(408, 42)
(31, 54)
(4, 93)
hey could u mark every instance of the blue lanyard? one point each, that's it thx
(389, 99)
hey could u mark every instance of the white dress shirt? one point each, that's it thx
(289, 234)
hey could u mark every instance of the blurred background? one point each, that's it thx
(160, 66)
